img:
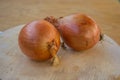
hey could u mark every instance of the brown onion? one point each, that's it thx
(39, 40)
(79, 31)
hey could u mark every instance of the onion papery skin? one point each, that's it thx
(79, 31)
(35, 39)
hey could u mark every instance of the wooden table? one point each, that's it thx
(105, 12)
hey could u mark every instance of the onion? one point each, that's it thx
(40, 41)
(79, 31)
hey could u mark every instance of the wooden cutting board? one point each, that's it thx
(102, 62)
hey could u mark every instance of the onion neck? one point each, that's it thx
(53, 21)
(52, 47)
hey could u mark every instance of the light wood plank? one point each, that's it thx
(101, 62)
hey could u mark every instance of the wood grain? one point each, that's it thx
(101, 62)
(105, 12)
